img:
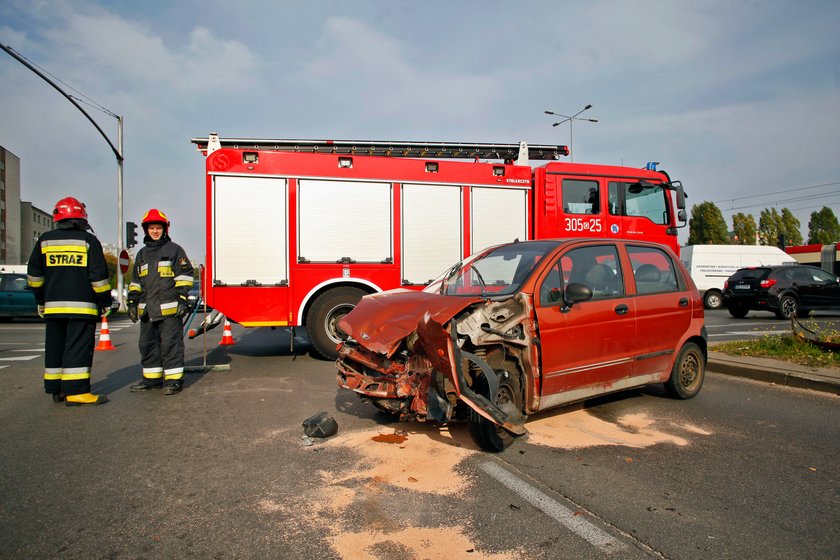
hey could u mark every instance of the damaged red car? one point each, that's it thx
(524, 327)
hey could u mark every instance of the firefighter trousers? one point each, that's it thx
(162, 350)
(68, 356)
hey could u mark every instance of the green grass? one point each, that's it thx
(788, 348)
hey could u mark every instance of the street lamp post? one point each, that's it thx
(118, 152)
(571, 119)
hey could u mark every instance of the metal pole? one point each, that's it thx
(571, 143)
(120, 224)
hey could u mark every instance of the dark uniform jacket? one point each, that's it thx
(68, 273)
(162, 277)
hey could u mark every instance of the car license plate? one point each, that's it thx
(742, 286)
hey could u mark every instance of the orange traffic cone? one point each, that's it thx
(105, 337)
(227, 336)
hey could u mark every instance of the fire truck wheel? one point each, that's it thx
(322, 319)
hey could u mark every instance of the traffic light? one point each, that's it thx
(130, 234)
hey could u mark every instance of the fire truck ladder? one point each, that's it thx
(520, 152)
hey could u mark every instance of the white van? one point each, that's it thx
(711, 265)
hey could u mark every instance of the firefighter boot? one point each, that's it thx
(85, 399)
(173, 388)
(146, 385)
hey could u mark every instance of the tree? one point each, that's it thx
(769, 226)
(823, 227)
(793, 235)
(743, 226)
(707, 226)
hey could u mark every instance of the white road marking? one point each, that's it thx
(19, 358)
(1, 367)
(563, 515)
(25, 350)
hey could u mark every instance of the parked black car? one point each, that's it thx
(785, 290)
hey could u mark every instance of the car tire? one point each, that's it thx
(485, 433)
(712, 299)
(323, 317)
(738, 311)
(688, 373)
(788, 307)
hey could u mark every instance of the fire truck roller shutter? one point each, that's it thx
(341, 219)
(499, 215)
(432, 230)
(249, 230)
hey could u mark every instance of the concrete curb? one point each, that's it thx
(776, 371)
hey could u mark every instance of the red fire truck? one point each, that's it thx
(299, 230)
(826, 257)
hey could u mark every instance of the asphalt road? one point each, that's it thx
(745, 470)
(723, 327)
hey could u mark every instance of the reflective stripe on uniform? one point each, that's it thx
(183, 280)
(167, 309)
(72, 307)
(63, 245)
(75, 373)
(52, 374)
(174, 373)
(101, 286)
(134, 287)
(153, 373)
(35, 281)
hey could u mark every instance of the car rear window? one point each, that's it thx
(751, 274)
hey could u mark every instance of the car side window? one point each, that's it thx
(653, 270)
(822, 276)
(597, 267)
(551, 290)
(16, 284)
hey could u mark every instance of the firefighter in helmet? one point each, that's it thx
(157, 296)
(68, 273)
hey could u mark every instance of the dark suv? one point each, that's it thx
(785, 290)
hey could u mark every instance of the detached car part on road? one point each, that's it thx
(524, 327)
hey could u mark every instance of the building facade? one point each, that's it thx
(33, 222)
(10, 208)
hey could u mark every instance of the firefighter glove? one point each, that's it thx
(132, 313)
(183, 306)
(105, 311)
(41, 311)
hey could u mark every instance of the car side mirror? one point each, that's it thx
(575, 293)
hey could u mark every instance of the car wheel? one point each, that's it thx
(738, 311)
(712, 299)
(485, 433)
(688, 373)
(788, 306)
(322, 319)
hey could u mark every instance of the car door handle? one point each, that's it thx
(683, 302)
(621, 309)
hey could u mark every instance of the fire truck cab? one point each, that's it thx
(299, 230)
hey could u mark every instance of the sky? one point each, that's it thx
(738, 100)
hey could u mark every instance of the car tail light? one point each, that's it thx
(725, 284)
(768, 283)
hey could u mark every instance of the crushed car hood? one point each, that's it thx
(379, 323)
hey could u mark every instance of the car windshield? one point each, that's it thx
(498, 271)
(751, 274)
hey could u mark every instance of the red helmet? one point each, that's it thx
(155, 216)
(68, 208)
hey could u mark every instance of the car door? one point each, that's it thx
(586, 347)
(818, 288)
(663, 309)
